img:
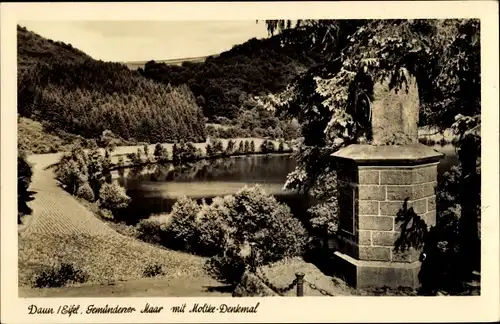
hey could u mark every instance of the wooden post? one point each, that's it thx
(300, 283)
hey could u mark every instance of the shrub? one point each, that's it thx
(153, 230)
(70, 174)
(109, 140)
(85, 192)
(281, 147)
(258, 132)
(184, 153)
(153, 270)
(59, 275)
(215, 149)
(246, 147)
(267, 147)
(105, 213)
(212, 225)
(262, 231)
(24, 174)
(113, 197)
(212, 131)
(160, 153)
(182, 229)
(135, 158)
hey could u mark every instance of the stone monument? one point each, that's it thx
(374, 180)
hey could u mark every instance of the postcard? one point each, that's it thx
(250, 162)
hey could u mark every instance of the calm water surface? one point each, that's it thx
(155, 189)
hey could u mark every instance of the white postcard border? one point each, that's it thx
(293, 309)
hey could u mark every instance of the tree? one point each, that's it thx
(230, 147)
(263, 231)
(443, 55)
(252, 146)
(160, 153)
(247, 146)
(241, 148)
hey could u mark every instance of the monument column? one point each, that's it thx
(374, 181)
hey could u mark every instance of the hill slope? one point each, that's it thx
(33, 49)
(70, 91)
(224, 85)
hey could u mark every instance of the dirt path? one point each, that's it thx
(133, 288)
(61, 229)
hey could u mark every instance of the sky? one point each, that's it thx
(149, 40)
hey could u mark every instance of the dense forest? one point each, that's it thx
(225, 85)
(69, 91)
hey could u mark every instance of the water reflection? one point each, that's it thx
(155, 188)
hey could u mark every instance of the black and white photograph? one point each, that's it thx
(248, 158)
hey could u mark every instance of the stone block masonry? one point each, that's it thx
(375, 183)
(381, 193)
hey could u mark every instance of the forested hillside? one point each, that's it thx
(69, 91)
(224, 85)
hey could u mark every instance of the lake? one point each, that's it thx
(154, 189)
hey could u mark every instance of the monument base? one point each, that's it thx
(376, 274)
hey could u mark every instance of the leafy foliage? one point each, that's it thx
(443, 55)
(113, 197)
(184, 152)
(58, 275)
(223, 84)
(182, 229)
(153, 270)
(262, 231)
(24, 174)
(84, 191)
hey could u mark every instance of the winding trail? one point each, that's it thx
(61, 228)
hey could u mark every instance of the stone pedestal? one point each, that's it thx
(374, 182)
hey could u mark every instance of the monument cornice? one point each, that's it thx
(387, 155)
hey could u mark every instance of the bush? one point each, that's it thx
(105, 214)
(267, 147)
(212, 131)
(160, 153)
(184, 153)
(24, 174)
(71, 173)
(258, 132)
(153, 230)
(262, 231)
(212, 225)
(281, 147)
(85, 192)
(182, 229)
(113, 197)
(216, 148)
(153, 270)
(59, 275)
